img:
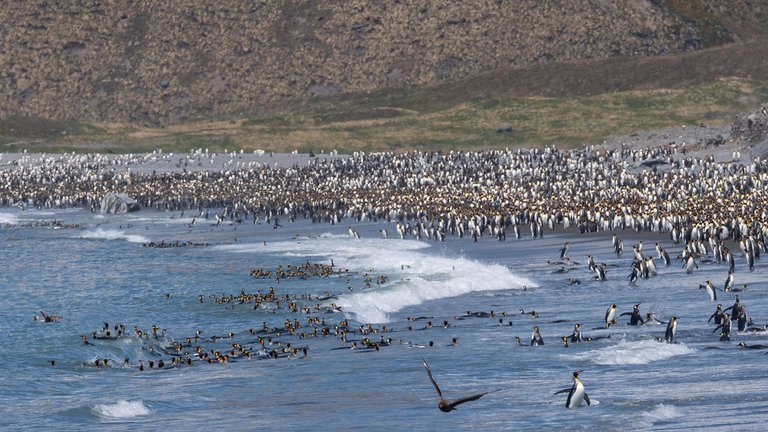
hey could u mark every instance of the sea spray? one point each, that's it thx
(634, 353)
(111, 234)
(413, 276)
(121, 409)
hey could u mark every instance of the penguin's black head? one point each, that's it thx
(576, 373)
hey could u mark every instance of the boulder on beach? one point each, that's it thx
(118, 203)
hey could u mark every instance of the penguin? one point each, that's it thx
(576, 336)
(710, 290)
(600, 273)
(725, 325)
(728, 282)
(669, 335)
(690, 264)
(717, 315)
(610, 315)
(634, 317)
(536, 338)
(665, 258)
(576, 393)
(734, 308)
(564, 251)
(741, 321)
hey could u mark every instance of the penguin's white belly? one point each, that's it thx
(577, 398)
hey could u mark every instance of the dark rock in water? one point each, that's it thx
(118, 203)
(504, 128)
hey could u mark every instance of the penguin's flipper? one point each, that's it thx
(717, 328)
(586, 398)
(626, 313)
(566, 390)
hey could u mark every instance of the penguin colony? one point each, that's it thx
(702, 205)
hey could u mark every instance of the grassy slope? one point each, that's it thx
(536, 121)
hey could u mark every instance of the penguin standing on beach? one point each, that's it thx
(576, 393)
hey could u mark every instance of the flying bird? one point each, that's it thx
(449, 405)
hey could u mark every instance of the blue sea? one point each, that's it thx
(92, 269)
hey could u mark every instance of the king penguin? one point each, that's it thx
(610, 315)
(669, 336)
(576, 394)
(710, 290)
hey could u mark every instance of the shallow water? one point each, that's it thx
(99, 272)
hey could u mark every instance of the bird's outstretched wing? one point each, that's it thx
(460, 401)
(586, 399)
(429, 374)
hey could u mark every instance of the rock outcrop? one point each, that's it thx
(118, 203)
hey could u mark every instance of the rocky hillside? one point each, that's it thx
(157, 63)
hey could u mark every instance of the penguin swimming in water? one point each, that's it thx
(690, 264)
(449, 405)
(600, 273)
(576, 394)
(728, 282)
(576, 336)
(710, 290)
(669, 335)
(717, 315)
(536, 338)
(610, 315)
(634, 317)
(725, 325)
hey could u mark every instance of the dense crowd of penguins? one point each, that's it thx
(698, 202)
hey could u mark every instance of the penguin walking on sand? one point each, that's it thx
(669, 335)
(576, 393)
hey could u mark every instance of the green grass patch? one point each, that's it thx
(535, 121)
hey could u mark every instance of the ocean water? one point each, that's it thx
(95, 269)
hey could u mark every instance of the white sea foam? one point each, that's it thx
(7, 218)
(634, 353)
(662, 413)
(109, 234)
(122, 409)
(415, 277)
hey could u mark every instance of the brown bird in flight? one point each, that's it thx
(450, 405)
